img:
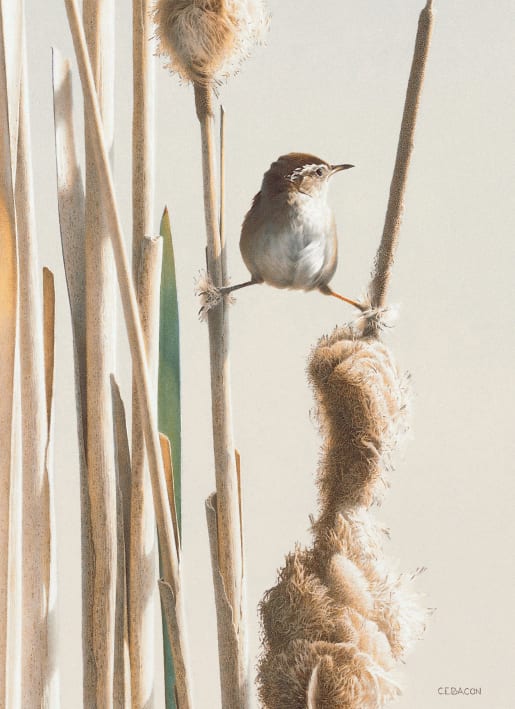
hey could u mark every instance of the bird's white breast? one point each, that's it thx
(299, 246)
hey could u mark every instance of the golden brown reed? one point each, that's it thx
(339, 619)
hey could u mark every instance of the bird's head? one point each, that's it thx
(301, 172)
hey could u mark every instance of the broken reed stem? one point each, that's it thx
(122, 671)
(98, 20)
(35, 533)
(8, 333)
(386, 251)
(171, 571)
(228, 641)
(50, 553)
(143, 569)
(146, 269)
(228, 514)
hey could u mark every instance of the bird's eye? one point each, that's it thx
(319, 171)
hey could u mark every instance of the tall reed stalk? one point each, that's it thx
(122, 669)
(143, 544)
(37, 543)
(147, 274)
(70, 201)
(8, 335)
(233, 665)
(171, 586)
(98, 20)
(205, 44)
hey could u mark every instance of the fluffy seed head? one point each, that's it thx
(205, 41)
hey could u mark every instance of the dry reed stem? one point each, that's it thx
(36, 532)
(8, 334)
(228, 641)
(221, 208)
(143, 567)
(166, 452)
(70, 200)
(50, 552)
(386, 252)
(15, 553)
(142, 127)
(171, 570)
(143, 553)
(12, 11)
(228, 512)
(98, 18)
(123, 465)
(122, 671)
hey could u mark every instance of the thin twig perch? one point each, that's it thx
(234, 691)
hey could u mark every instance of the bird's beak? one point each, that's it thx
(338, 168)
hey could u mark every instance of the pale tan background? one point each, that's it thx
(332, 81)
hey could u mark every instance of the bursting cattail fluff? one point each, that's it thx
(205, 41)
(340, 618)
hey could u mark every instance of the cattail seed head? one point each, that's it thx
(205, 41)
(340, 618)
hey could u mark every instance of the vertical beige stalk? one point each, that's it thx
(146, 268)
(143, 570)
(100, 342)
(12, 12)
(8, 316)
(122, 673)
(171, 570)
(228, 509)
(36, 541)
(70, 200)
(49, 561)
(393, 220)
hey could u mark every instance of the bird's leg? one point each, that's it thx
(329, 291)
(230, 289)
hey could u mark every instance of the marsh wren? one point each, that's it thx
(288, 238)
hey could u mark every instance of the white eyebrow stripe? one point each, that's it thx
(304, 170)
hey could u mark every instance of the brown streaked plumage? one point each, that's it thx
(288, 237)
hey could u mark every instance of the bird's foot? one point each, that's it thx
(210, 296)
(375, 319)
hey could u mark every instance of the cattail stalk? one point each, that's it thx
(143, 557)
(50, 555)
(8, 334)
(98, 20)
(230, 557)
(205, 43)
(221, 210)
(386, 252)
(143, 547)
(171, 571)
(146, 272)
(70, 200)
(36, 503)
(122, 670)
